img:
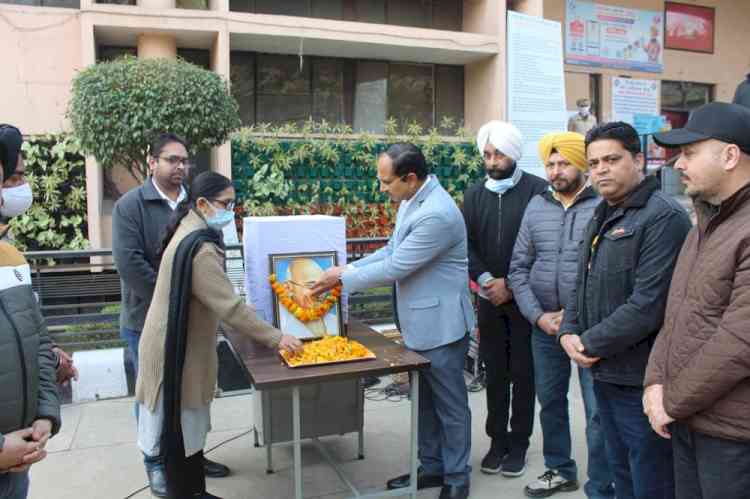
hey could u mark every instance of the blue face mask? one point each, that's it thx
(221, 219)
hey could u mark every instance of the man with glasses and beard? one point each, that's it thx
(139, 221)
(493, 210)
(542, 277)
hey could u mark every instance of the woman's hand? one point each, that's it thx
(290, 344)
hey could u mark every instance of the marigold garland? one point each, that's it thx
(303, 314)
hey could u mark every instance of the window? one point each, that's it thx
(275, 89)
(411, 94)
(435, 14)
(684, 95)
(70, 4)
(242, 76)
(417, 13)
(283, 87)
(105, 53)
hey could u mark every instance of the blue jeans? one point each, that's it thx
(14, 485)
(444, 414)
(132, 337)
(552, 369)
(640, 459)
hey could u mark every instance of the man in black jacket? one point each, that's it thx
(612, 318)
(493, 210)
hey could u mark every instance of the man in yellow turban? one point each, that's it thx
(564, 157)
(543, 278)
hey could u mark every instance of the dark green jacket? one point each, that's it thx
(28, 388)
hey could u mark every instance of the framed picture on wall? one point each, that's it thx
(296, 311)
(689, 27)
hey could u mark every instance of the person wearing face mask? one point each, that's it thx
(493, 209)
(178, 364)
(17, 194)
(139, 219)
(29, 397)
(584, 120)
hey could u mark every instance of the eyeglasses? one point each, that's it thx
(175, 161)
(227, 204)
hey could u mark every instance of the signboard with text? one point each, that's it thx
(613, 36)
(536, 83)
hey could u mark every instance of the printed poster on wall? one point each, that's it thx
(536, 83)
(633, 96)
(613, 36)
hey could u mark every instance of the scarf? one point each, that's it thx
(502, 186)
(179, 483)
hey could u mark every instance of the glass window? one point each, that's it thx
(448, 14)
(242, 77)
(328, 90)
(449, 95)
(685, 95)
(242, 6)
(371, 97)
(199, 57)
(283, 7)
(416, 13)
(328, 9)
(369, 11)
(106, 53)
(283, 89)
(410, 94)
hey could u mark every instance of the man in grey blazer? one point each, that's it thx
(426, 258)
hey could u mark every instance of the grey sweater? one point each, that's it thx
(139, 220)
(545, 257)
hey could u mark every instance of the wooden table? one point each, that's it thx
(267, 370)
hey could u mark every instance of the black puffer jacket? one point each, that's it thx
(28, 390)
(625, 266)
(545, 258)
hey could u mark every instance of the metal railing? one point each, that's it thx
(79, 292)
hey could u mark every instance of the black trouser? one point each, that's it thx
(707, 467)
(505, 349)
(193, 479)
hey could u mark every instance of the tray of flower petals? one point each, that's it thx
(329, 350)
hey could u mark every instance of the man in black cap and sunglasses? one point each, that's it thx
(698, 376)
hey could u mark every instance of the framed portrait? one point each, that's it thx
(689, 27)
(296, 311)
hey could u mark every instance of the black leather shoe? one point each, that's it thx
(214, 469)
(423, 481)
(454, 492)
(157, 482)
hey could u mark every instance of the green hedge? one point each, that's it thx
(331, 171)
(56, 170)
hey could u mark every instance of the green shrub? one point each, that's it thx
(56, 172)
(117, 107)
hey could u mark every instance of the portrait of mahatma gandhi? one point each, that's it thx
(298, 273)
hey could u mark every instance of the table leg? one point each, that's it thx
(361, 454)
(296, 423)
(414, 454)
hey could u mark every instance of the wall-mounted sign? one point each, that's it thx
(613, 36)
(689, 27)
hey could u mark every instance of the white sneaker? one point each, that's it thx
(549, 483)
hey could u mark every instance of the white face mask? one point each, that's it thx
(584, 110)
(16, 200)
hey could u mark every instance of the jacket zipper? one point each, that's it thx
(499, 220)
(572, 225)
(24, 379)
